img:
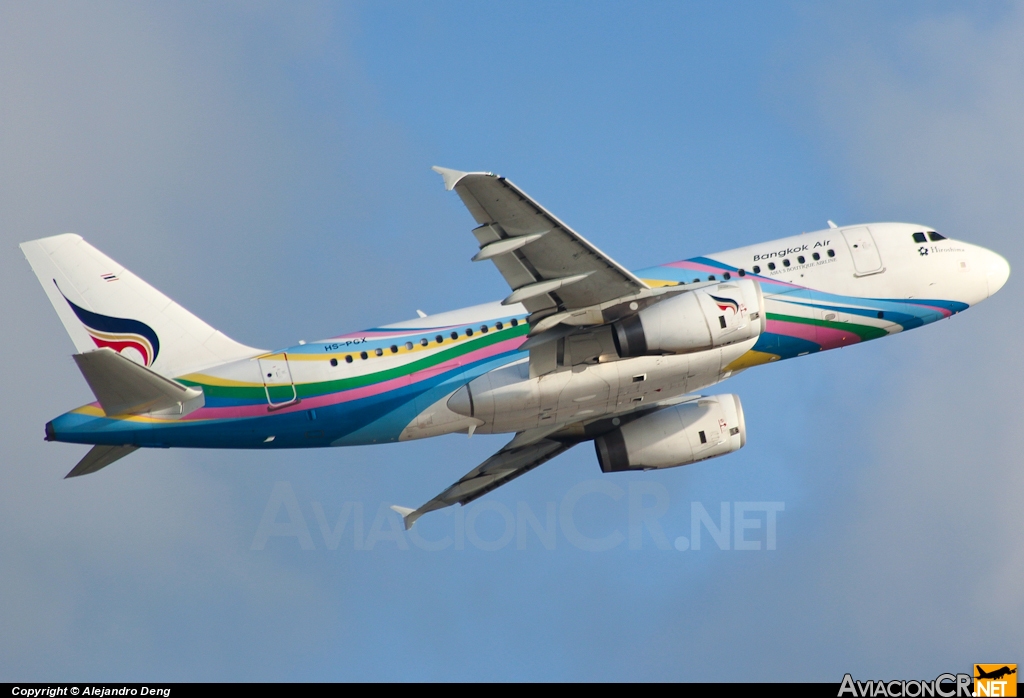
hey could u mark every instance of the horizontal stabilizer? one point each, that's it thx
(99, 457)
(124, 387)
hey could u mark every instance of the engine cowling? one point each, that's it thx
(697, 320)
(676, 435)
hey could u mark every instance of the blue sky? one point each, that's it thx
(268, 167)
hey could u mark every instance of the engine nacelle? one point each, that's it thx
(677, 435)
(709, 317)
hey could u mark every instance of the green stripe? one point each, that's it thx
(322, 388)
(865, 332)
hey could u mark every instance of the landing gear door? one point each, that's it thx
(277, 381)
(866, 259)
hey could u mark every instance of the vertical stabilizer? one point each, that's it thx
(102, 304)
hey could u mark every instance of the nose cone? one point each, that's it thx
(997, 271)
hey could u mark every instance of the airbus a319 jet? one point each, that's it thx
(582, 349)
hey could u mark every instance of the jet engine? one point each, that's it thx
(676, 435)
(704, 318)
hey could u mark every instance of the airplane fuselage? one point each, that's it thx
(822, 290)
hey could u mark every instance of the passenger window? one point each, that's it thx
(800, 259)
(348, 358)
(831, 253)
(424, 342)
(919, 237)
(726, 276)
(469, 331)
(771, 266)
(935, 237)
(785, 262)
(455, 335)
(711, 277)
(816, 256)
(757, 269)
(514, 322)
(483, 329)
(334, 362)
(363, 355)
(394, 348)
(696, 281)
(378, 352)
(742, 272)
(408, 346)
(439, 339)
(498, 325)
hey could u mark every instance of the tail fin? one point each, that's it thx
(102, 304)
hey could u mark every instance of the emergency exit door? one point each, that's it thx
(277, 381)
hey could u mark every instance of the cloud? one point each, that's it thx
(240, 160)
(112, 117)
(921, 119)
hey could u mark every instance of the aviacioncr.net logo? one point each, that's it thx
(943, 686)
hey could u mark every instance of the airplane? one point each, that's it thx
(996, 674)
(582, 349)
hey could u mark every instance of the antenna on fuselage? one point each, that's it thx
(831, 224)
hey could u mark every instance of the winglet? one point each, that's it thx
(409, 516)
(451, 177)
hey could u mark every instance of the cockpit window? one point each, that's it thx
(935, 237)
(919, 237)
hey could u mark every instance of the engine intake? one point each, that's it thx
(676, 435)
(706, 318)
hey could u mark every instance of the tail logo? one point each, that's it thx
(127, 337)
(726, 304)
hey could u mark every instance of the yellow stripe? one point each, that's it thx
(222, 382)
(751, 358)
(658, 283)
(94, 411)
(354, 351)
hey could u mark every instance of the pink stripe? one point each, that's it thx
(260, 410)
(945, 313)
(692, 266)
(700, 268)
(827, 337)
(830, 338)
(388, 334)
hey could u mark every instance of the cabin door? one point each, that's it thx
(866, 259)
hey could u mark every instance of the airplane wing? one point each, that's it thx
(550, 267)
(505, 465)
